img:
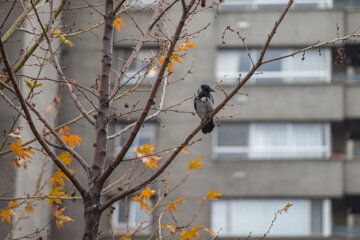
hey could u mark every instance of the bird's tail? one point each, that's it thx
(208, 127)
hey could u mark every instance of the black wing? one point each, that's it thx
(195, 104)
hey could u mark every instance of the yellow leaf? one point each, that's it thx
(176, 57)
(68, 42)
(65, 158)
(142, 203)
(61, 218)
(8, 212)
(195, 164)
(169, 227)
(147, 193)
(56, 191)
(172, 206)
(151, 162)
(117, 23)
(64, 40)
(56, 32)
(189, 235)
(213, 195)
(31, 85)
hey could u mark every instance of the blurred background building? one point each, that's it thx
(294, 134)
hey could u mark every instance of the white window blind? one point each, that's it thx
(272, 140)
(241, 216)
(313, 66)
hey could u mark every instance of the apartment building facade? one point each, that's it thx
(294, 132)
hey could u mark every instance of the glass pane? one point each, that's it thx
(313, 61)
(268, 134)
(316, 217)
(275, 65)
(122, 211)
(227, 62)
(139, 214)
(232, 155)
(233, 134)
(255, 216)
(219, 217)
(308, 134)
(244, 65)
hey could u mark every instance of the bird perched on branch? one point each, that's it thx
(204, 105)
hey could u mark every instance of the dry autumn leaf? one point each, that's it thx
(60, 218)
(169, 228)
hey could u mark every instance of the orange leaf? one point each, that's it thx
(185, 45)
(185, 150)
(286, 208)
(117, 23)
(172, 206)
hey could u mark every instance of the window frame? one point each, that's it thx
(216, 150)
(285, 76)
(326, 217)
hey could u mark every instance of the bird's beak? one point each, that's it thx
(212, 90)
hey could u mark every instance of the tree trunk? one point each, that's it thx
(92, 216)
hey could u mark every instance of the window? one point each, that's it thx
(272, 140)
(346, 66)
(140, 66)
(257, 4)
(242, 216)
(147, 134)
(314, 68)
(131, 215)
